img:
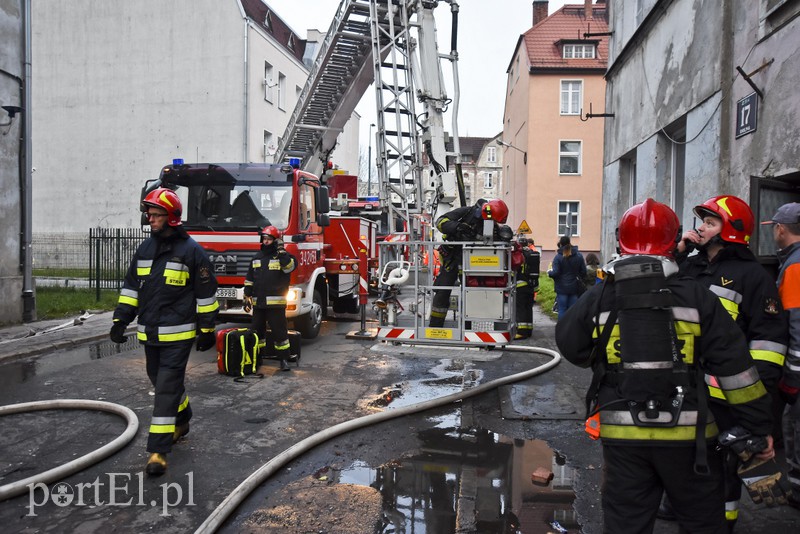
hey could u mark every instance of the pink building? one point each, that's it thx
(552, 155)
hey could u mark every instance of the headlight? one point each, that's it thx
(293, 295)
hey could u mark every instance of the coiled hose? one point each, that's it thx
(238, 495)
(58, 473)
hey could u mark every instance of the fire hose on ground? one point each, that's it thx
(59, 473)
(238, 495)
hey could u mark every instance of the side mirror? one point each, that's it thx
(324, 219)
(323, 200)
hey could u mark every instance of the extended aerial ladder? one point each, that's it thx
(393, 44)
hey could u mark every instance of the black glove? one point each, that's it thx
(788, 393)
(117, 333)
(206, 340)
(465, 231)
(279, 246)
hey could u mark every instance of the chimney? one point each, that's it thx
(587, 10)
(539, 11)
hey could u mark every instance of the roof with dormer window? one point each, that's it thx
(262, 16)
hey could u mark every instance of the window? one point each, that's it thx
(578, 51)
(308, 212)
(571, 97)
(488, 182)
(297, 91)
(569, 217)
(491, 154)
(269, 148)
(569, 157)
(268, 83)
(281, 91)
(775, 14)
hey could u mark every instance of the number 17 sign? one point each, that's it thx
(746, 115)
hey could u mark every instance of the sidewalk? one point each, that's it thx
(40, 337)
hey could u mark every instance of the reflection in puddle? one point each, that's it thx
(470, 481)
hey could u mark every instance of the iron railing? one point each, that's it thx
(110, 253)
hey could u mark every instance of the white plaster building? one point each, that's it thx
(122, 88)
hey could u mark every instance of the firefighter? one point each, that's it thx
(726, 265)
(526, 283)
(265, 289)
(656, 333)
(460, 224)
(170, 285)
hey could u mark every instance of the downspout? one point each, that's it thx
(28, 297)
(245, 142)
(726, 75)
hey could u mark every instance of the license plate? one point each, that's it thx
(226, 293)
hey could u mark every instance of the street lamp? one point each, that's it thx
(509, 145)
(369, 162)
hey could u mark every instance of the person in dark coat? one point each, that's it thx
(568, 271)
(265, 288)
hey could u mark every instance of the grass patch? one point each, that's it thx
(546, 295)
(58, 302)
(61, 273)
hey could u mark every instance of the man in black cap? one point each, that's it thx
(786, 233)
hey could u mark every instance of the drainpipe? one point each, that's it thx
(726, 104)
(28, 297)
(246, 20)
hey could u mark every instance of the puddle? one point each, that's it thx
(470, 481)
(21, 371)
(450, 376)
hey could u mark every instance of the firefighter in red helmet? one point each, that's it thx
(725, 264)
(265, 289)
(170, 286)
(461, 224)
(648, 334)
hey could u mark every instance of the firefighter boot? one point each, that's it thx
(180, 431)
(284, 365)
(156, 464)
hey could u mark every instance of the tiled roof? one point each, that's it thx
(567, 24)
(257, 11)
(470, 147)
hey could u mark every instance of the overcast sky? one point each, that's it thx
(487, 34)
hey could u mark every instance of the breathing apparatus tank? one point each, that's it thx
(653, 376)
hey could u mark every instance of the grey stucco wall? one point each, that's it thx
(11, 61)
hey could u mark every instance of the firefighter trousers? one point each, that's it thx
(635, 476)
(166, 369)
(440, 304)
(275, 316)
(524, 311)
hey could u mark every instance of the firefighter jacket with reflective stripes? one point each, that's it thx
(269, 276)
(528, 271)
(789, 290)
(706, 336)
(170, 286)
(448, 223)
(748, 293)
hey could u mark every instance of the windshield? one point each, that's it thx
(236, 206)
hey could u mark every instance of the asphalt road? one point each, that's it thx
(466, 467)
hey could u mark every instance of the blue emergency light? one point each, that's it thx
(294, 162)
(177, 161)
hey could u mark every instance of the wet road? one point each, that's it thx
(516, 455)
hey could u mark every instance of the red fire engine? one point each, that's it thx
(227, 204)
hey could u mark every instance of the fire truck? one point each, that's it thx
(226, 205)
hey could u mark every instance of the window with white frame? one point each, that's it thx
(491, 154)
(488, 180)
(569, 157)
(268, 83)
(269, 149)
(281, 91)
(578, 51)
(571, 97)
(569, 221)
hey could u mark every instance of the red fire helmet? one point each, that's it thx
(495, 210)
(737, 217)
(649, 228)
(270, 231)
(166, 199)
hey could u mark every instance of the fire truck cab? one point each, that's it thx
(226, 205)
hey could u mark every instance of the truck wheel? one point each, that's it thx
(309, 324)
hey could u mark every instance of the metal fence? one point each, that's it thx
(110, 253)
